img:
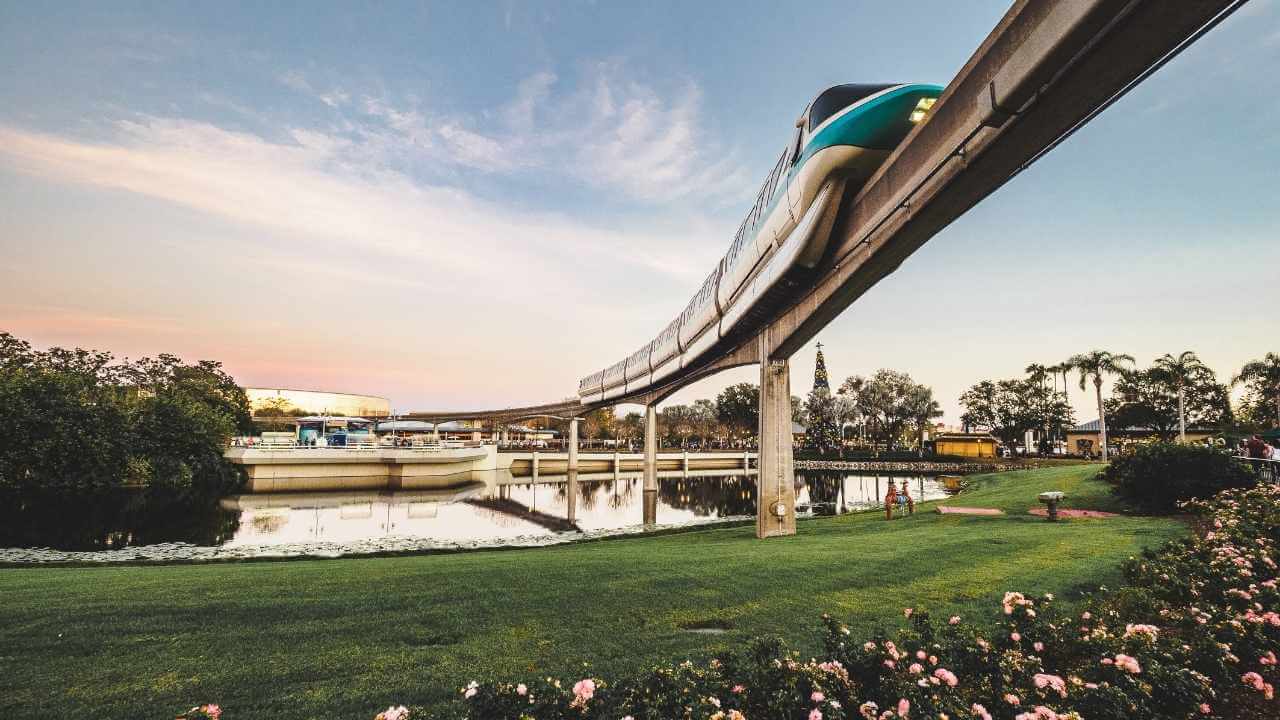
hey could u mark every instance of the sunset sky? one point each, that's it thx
(475, 204)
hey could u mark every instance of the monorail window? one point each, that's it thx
(835, 99)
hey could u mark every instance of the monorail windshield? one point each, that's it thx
(835, 99)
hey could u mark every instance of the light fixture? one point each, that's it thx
(922, 109)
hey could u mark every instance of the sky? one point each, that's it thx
(473, 205)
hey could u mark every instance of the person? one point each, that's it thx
(1256, 447)
(905, 501)
(890, 499)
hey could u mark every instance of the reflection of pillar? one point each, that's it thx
(571, 497)
(650, 507)
(650, 464)
(573, 444)
(776, 501)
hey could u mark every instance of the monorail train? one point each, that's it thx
(842, 136)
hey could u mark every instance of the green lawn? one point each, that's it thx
(344, 638)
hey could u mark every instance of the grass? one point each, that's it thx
(344, 638)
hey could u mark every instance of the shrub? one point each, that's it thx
(1155, 478)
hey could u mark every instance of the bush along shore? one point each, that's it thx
(1192, 632)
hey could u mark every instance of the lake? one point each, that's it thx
(493, 507)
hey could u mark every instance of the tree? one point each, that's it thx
(1182, 371)
(1152, 398)
(923, 409)
(1009, 408)
(885, 403)
(738, 409)
(846, 413)
(631, 427)
(1063, 369)
(1037, 373)
(1262, 377)
(78, 419)
(600, 424)
(703, 417)
(680, 423)
(1095, 365)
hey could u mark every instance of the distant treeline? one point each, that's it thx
(81, 419)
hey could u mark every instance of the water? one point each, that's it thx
(490, 509)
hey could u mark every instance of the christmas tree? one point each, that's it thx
(823, 432)
(820, 372)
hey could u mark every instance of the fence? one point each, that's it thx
(352, 444)
(1267, 470)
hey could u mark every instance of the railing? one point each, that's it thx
(1267, 470)
(355, 446)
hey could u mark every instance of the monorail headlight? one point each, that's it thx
(922, 109)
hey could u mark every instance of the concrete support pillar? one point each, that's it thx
(684, 461)
(617, 464)
(776, 496)
(533, 461)
(650, 464)
(435, 431)
(746, 459)
(573, 445)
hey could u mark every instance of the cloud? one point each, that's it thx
(295, 80)
(654, 149)
(324, 188)
(609, 132)
(530, 93)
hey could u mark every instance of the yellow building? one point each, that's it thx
(284, 401)
(976, 445)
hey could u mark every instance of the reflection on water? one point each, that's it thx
(495, 506)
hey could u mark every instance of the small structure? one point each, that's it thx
(1051, 500)
(975, 445)
(333, 430)
(1086, 439)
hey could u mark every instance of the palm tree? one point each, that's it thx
(1096, 364)
(1181, 371)
(1038, 373)
(923, 409)
(1264, 376)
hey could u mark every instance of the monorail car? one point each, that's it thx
(846, 133)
